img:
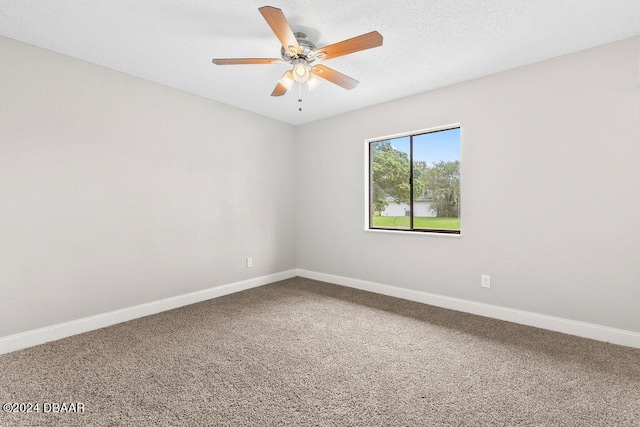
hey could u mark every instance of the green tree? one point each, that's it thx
(391, 176)
(442, 186)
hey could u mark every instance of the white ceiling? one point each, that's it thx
(427, 43)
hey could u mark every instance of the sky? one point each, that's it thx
(432, 147)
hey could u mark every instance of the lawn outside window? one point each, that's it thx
(413, 181)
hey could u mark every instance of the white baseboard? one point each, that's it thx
(62, 330)
(571, 327)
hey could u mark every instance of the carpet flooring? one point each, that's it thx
(306, 353)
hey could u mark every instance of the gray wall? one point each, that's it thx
(565, 131)
(115, 191)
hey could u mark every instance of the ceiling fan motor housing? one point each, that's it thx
(308, 50)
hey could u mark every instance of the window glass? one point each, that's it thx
(414, 182)
(436, 180)
(391, 183)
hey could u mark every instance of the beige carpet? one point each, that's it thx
(306, 353)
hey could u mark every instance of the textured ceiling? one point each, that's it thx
(427, 43)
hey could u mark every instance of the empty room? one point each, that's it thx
(365, 213)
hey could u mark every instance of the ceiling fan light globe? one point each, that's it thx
(287, 80)
(313, 82)
(300, 72)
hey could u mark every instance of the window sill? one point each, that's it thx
(413, 233)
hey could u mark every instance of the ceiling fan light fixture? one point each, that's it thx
(313, 82)
(287, 80)
(300, 72)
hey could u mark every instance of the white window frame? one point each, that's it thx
(367, 172)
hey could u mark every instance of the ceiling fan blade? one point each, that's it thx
(334, 77)
(356, 44)
(239, 61)
(278, 23)
(279, 90)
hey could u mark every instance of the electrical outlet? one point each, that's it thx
(249, 262)
(485, 280)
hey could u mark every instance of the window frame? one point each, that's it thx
(368, 220)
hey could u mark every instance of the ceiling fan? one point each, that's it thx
(302, 53)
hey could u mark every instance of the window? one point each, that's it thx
(414, 182)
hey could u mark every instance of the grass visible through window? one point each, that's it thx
(418, 222)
